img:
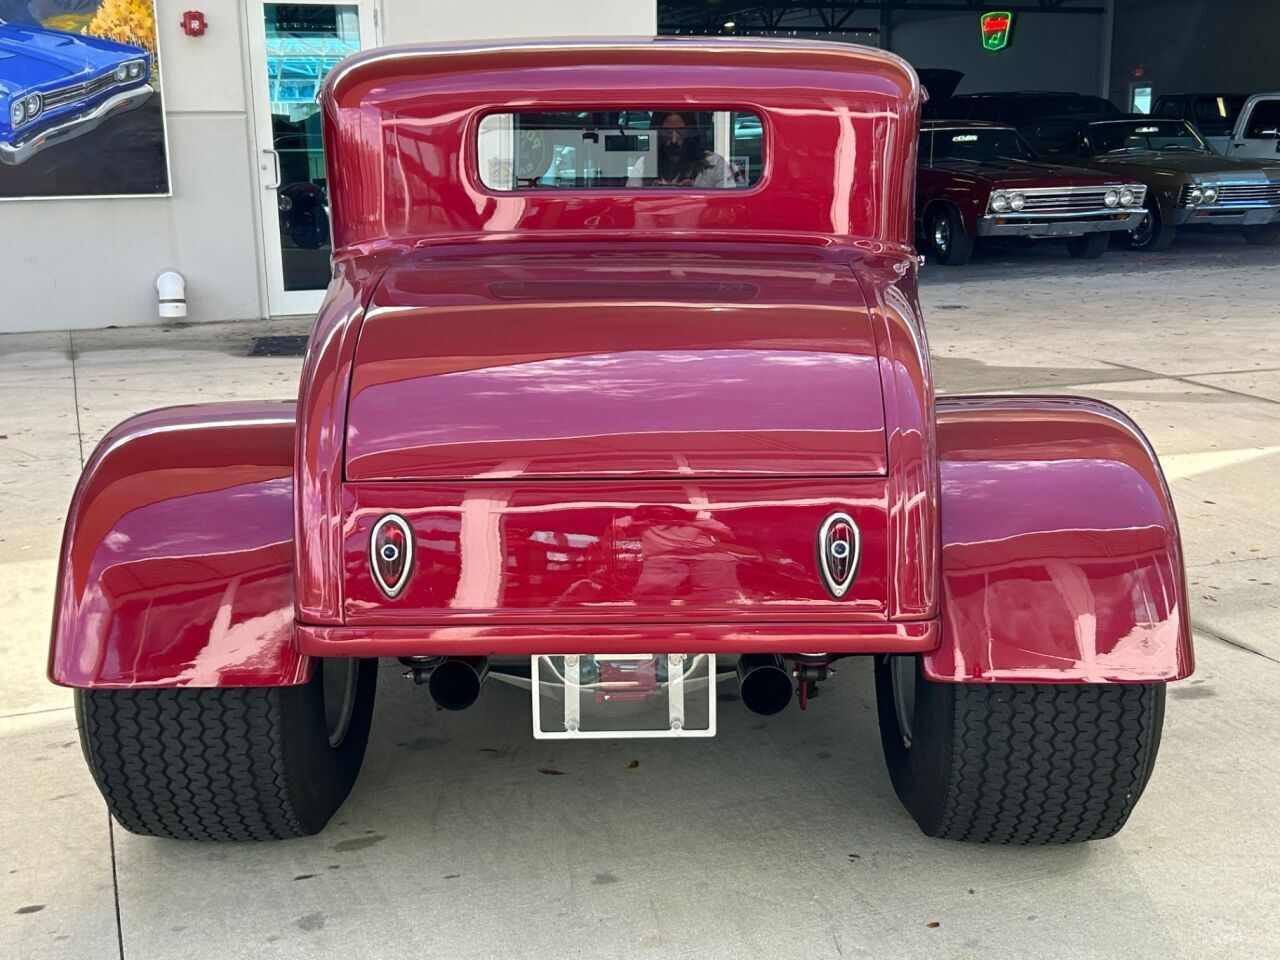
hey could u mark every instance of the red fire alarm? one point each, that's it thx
(193, 23)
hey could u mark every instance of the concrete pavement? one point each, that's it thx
(781, 837)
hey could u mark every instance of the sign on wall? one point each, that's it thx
(81, 112)
(996, 27)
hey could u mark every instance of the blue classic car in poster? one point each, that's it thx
(80, 111)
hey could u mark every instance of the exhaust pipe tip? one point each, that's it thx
(455, 684)
(764, 683)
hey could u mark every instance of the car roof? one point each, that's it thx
(426, 97)
(1170, 96)
(942, 123)
(1103, 118)
(1029, 93)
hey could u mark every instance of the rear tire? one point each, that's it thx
(1089, 247)
(1029, 763)
(1152, 234)
(1263, 235)
(236, 763)
(944, 235)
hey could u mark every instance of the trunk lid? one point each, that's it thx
(615, 365)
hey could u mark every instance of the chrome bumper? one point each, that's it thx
(1232, 216)
(69, 128)
(1044, 224)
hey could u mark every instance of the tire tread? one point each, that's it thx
(193, 764)
(1048, 763)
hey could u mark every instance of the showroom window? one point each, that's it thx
(1139, 98)
(621, 150)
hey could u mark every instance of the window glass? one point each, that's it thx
(622, 149)
(1056, 139)
(1215, 116)
(1264, 122)
(303, 43)
(977, 144)
(981, 108)
(1144, 136)
(1169, 108)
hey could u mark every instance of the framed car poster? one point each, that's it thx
(81, 107)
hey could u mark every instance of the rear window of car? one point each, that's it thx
(622, 150)
(1142, 136)
(1215, 116)
(976, 144)
(1055, 139)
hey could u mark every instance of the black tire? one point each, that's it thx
(1264, 235)
(1029, 763)
(1089, 247)
(944, 235)
(1152, 234)
(235, 763)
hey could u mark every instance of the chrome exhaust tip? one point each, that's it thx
(764, 683)
(455, 683)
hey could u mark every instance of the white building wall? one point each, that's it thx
(428, 21)
(92, 263)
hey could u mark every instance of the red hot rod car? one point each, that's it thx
(980, 180)
(604, 435)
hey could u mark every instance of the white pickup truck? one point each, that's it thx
(1234, 125)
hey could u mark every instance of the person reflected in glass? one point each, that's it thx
(682, 159)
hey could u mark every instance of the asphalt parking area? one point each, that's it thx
(466, 838)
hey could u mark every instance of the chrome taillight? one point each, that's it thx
(839, 551)
(391, 554)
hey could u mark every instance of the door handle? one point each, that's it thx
(275, 158)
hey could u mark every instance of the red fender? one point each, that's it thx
(177, 560)
(1061, 561)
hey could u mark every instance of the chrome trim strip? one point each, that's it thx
(61, 96)
(1071, 191)
(1048, 214)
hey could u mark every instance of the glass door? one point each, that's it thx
(293, 46)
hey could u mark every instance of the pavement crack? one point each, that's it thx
(1239, 645)
(32, 713)
(1189, 380)
(75, 395)
(115, 884)
(1222, 563)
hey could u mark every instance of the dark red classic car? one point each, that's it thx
(601, 439)
(979, 179)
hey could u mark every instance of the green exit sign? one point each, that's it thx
(996, 27)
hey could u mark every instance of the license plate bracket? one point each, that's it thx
(621, 696)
